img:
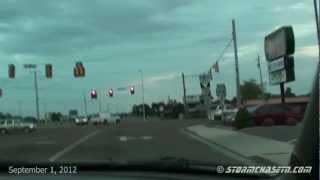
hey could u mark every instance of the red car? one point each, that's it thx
(276, 114)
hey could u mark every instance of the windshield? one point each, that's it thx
(166, 67)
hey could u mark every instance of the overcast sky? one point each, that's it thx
(116, 38)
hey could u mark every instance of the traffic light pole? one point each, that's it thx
(85, 105)
(36, 94)
(142, 87)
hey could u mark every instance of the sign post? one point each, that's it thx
(279, 46)
(221, 92)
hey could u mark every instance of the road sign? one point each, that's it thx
(276, 65)
(281, 71)
(221, 90)
(204, 80)
(279, 43)
(30, 66)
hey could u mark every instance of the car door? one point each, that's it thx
(261, 114)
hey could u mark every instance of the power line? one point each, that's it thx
(224, 51)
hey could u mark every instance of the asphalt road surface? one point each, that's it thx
(131, 140)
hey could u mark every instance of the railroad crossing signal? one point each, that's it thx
(94, 94)
(110, 93)
(49, 70)
(79, 70)
(132, 90)
(11, 71)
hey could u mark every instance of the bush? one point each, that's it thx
(243, 119)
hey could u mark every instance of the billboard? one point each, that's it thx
(279, 43)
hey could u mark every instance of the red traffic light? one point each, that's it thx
(49, 70)
(110, 93)
(11, 71)
(94, 94)
(132, 90)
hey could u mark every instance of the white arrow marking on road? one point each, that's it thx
(72, 146)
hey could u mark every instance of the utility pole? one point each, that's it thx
(261, 80)
(234, 37)
(316, 14)
(184, 93)
(142, 87)
(36, 94)
(85, 105)
(19, 107)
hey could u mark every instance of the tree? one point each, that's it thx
(250, 90)
(289, 92)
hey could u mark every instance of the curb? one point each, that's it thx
(244, 160)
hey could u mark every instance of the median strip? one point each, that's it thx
(72, 146)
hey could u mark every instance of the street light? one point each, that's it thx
(33, 66)
(142, 87)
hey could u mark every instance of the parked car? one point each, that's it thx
(12, 125)
(278, 114)
(81, 120)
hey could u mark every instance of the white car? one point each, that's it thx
(81, 120)
(228, 112)
(12, 125)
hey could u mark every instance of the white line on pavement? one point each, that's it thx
(72, 146)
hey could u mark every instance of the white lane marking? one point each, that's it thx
(292, 141)
(72, 146)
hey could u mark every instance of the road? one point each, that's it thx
(131, 140)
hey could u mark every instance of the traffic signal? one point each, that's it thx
(110, 93)
(132, 90)
(0, 92)
(79, 70)
(11, 71)
(49, 70)
(94, 94)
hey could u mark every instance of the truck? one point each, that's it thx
(104, 118)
